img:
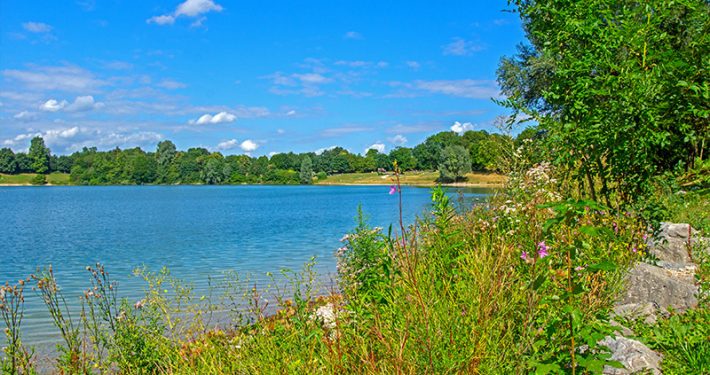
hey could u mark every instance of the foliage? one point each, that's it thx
(39, 179)
(7, 161)
(39, 155)
(306, 174)
(621, 87)
(455, 163)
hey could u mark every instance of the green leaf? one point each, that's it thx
(603, 266)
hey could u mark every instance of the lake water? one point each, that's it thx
(195, 231)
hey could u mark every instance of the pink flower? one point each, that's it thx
(634, 249)
(393, 189)
(524, 255)
(542, 250)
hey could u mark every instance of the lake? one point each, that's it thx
(195, 231)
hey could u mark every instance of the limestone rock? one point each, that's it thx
(663, 288)
(634, 355)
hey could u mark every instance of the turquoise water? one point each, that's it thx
(195, 231)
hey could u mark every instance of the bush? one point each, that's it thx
(39, 179)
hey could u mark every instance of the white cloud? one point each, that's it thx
(61, 78)
(75, 138)
(218, 118)
(398, 139)
(465, 88)
(83, 103)
(414, 65)
(353, 35)
(227, 145)
(291, 112)
(53, 105)
(280, 131)
(461, 47)
(37, 27)
(80, 104)
(248, 145)
(312, 78)
(380, 147)
(164, 19)
(25, 116)
(188, 8)
(460, 128)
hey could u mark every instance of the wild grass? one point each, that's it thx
(521, 284)
(27, 179)
(421, 178)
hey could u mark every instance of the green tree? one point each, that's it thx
(404, 157)
(24, 163)
(213, 171)
(7, 161)
(306, 174)
(39, 155)
(455, 163)
(621, 87)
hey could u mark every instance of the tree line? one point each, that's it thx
(452, 154)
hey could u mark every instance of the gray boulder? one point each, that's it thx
(635, 356)
(660, 287)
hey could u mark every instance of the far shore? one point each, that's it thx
(420, 179)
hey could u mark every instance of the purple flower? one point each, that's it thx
(542, 249)
(634, 249)
(645, 237)
(579, 268)
(524, 255)
(393, 189)
(616, 227)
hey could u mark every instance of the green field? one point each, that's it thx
(26, 179)
(410, 178)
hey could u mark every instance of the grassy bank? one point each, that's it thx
(410, 178)
(427, 178)
(26, 179)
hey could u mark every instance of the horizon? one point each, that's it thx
(248, 78)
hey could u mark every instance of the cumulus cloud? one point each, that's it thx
(25, 116)
(37, 27)
(398, 139)
(83, 103)
(248, 146)
(188, 8)
(221, 117)
(461, 47)
(80, 104)
(380, 147)
(53, 105)
(227, 145)
(460, 128)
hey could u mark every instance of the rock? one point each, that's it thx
(634, 355)
(671, 250)
(678, 231)
(662, 288)
(648, 311)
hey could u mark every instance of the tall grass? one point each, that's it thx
(521, 284)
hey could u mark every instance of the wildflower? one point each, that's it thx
(524, 255)
(645, 237)
(634, 249)
(393, 189)
(139, 305)
(542, 249)
(579, 268)
(616, 227)
(345, 238)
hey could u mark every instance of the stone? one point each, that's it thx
(663, 288)
(671, 250)
(647, 311)
(634, 355)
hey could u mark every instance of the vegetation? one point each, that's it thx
(167, 165)
(523, 284)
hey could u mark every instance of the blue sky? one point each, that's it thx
(251, 77)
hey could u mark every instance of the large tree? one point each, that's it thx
(39, 154)
(621, 87)
(455, 163)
